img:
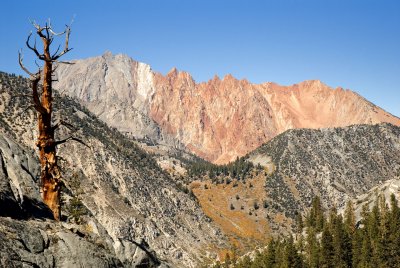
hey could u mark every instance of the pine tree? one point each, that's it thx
(292, 259)
(327, 249)
(312, 249)
(379, 237)
(349, 218)
(245, 262)
(299, 223)
(357, 247)
(269, 258)
(258, 261)
(393, 243)
(316, 216)
(342, 244)
(366, 252)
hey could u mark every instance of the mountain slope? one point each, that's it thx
(217, 120)
(371, 198)
(143, 212)
(336, 164)
(332, 163)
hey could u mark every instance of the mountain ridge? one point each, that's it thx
(219, 119)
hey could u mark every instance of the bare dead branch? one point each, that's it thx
(64, 123)
(55, 53)
(64, 62)
(56, 34)
(37, 64)
(34, 49)
(39, 31)
(47, 32)
(20, 60)
(36, 100)
(66, 48)
(72, 138)
(51, 29)
(33, 22)
(25, 110)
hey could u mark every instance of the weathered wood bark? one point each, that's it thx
(50, 176)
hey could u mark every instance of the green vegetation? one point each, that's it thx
(240, 169)
(335, 240)
(74, 207)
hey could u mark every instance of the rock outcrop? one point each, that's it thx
(28, 235)
(217, 120)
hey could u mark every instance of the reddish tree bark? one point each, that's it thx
(50, 175)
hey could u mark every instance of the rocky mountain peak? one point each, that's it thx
(107, 54)
(312, 83)
(228, 77)
(215, 78)
(178, 79)
(173, 72)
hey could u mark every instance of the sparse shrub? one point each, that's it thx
(255, 205)
(76, 210)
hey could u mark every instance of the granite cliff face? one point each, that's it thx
(117, 90)
(217, 120)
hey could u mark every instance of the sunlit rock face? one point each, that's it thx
(217, 120)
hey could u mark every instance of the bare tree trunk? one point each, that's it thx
(50, 176)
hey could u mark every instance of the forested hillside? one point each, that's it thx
(328, 239)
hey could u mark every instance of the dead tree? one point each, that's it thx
(42, 97)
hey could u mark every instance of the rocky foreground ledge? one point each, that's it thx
(29, 237)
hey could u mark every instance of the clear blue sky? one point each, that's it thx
(348, 43)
